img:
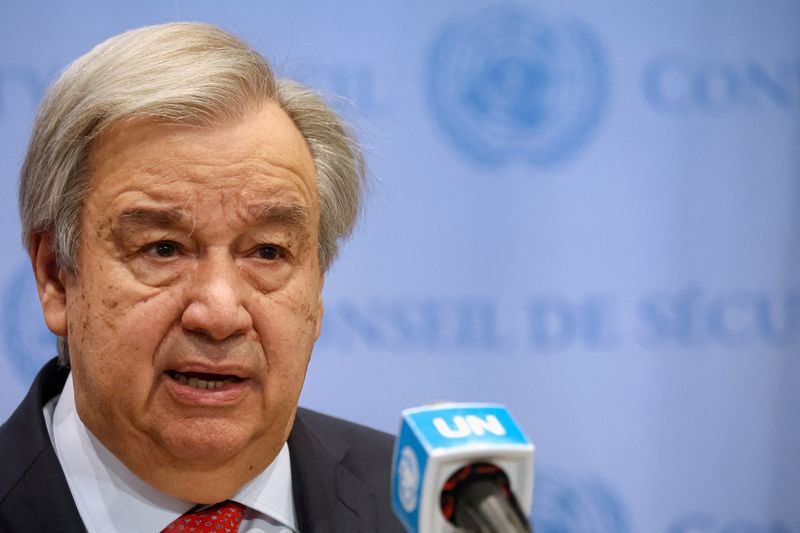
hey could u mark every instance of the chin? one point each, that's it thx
(205, 450)
(210, 467)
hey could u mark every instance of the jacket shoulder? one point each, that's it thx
(368, 446)
(358, 475)
(34, 495)
(24, 437)
(365, 452)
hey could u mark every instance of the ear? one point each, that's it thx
(50, 283)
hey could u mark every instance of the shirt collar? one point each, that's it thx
(110, 497)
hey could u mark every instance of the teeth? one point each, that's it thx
(201, 383)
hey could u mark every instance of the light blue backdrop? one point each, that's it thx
(587, 211)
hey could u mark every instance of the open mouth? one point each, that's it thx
(201, 380)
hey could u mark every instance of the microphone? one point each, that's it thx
(462, 467)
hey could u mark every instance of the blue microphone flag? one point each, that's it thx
(436, 441)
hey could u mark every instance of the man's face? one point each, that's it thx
(197, 298)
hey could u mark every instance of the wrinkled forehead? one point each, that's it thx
(264, 140)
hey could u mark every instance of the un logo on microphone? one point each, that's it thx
(408, 475)
(509, 84)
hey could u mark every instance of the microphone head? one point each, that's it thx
(437, 441)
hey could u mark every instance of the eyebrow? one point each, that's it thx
(294, 216)
(159, 218)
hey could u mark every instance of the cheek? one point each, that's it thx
(287, 323)
(115, 330)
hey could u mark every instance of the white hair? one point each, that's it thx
(178, 73)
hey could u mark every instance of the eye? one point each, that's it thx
(164, 249)
(268, 252)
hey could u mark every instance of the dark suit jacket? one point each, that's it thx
(340, 472)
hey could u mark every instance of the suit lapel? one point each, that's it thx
(42, 501)
(328, 497)
(33, 489)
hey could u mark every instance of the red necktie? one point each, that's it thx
(222, 517)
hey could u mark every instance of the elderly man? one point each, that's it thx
(180, 206)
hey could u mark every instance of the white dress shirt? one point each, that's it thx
(110, 498)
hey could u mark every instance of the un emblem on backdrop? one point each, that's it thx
(562, 505)
(28, 342)
(510, 84)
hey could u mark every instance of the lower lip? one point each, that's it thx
(228, 394)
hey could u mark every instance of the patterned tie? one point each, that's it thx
(222, 517)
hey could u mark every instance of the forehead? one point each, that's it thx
(260, 155)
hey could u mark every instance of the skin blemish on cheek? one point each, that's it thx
(309, 312)
(110, 323)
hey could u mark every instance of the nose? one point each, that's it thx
(215, 299)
